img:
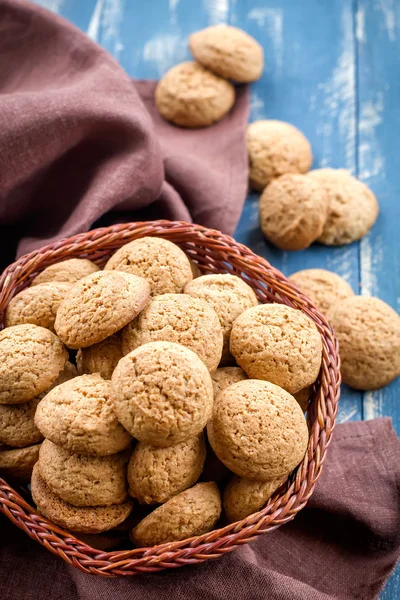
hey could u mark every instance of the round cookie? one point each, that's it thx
(78, 415)
(190, 96)
(17, 463)
(192, 512)
(243, 497)
(37, 305)
(68, 271)
(293, 210)
(84, 480)
(368, 331)
(100, 358)
(353, 208)
(98, 305)
(229, 296)
(275, 148)
(225, 376)
(229, 52)
(279, 344)
(157, 474)
(17, 425)
(324, 288)
(181, 319)
(31, 359)
(303, 397)
(162, 393)
(258, 430)
(81, 519)
(165, 266)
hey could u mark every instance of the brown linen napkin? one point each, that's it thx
(77, 142)
(342, 546)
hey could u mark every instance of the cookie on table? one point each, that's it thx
(303, 397)
(353, 207)
(100, 358)
(17, 424)
(31, 359)
(181, 319)
(98, 306)
(275, 148)
(229, 52)
(94, 519)
(157, 474)
(192, 512)
(265, 332)
(17, 463)
(368, 331)
(163, 264)
(243, 497)
(260, 411)
(229, 296)
(78, 415)
(225, 376)
(84, 480)
(293, 210)
(162, 393)
(68, 271)
(191, 96)
(37, 305)
(324, 288)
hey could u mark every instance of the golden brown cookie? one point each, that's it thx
(31, 359)
(78, 415)
(100, 358)
(279, 344)
(353, 208)
(324, 288)
(98, 306)
(17, 425)
(229, 296)
(225, 376)
(82, 519)
(68, 271)
(229, 52)
(165, 266)
(157, 474)
(243, 497)
(181, 319)
(190, 96)
(195, 269)
(84, 480)
(192, 512)
(303, 397)
(258, 430)
(162, 393)
(37, 305)
(275, 148)
(368, 331)
(293, 210)
(17, 463)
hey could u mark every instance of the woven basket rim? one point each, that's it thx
(208, 248)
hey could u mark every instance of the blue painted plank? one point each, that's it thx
(378, 57)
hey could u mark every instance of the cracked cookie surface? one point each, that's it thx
(162, 393)
(31, 359)
(68, 271)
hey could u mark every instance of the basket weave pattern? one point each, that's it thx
(214, 252)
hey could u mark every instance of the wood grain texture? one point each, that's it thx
(332, 70)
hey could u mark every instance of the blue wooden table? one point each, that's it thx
(333, 70)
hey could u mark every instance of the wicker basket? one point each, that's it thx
(214, 253)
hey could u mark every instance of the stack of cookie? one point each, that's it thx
(197, 94)
(188, 398)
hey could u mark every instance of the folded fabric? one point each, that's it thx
(80, 140)
(342, 546)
